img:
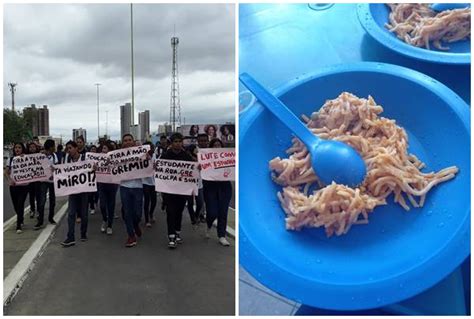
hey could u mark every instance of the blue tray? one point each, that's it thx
(287, 41)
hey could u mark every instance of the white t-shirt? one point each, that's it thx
(53, 160)
(151, 179)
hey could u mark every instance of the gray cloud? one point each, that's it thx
(57, 52)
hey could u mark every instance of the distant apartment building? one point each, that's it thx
(37, 119)
(136, 131)
(144, 122)
(164, 128)
(125, 118)
(76, 132)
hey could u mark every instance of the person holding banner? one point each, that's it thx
(149, 192)
(77, 203)
(33, 188)
(93, 197)
(81, 145)
(47, 187)
(175, 203)
(131, 194)
(18, 193)
(203, 142)
(107, 196)
(217, 196)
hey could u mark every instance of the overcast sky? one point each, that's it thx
(57, 52)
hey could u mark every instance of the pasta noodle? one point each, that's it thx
(390, 169)
(418, 24)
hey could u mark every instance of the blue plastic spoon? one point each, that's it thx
(449, 6)
(331, 160)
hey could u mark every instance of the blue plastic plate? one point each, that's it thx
(373, 18)
(398, 254)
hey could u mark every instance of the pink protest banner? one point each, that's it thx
(103, 170)
(217, 164)
(176, 177)
(130, 163)
(74, 178)
(30, 168)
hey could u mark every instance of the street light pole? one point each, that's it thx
(98, 129)
(107, 123)
(133, 71)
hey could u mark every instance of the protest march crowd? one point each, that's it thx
(198, 176)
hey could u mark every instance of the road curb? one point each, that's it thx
(15, 279)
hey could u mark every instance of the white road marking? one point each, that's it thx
(15, 279)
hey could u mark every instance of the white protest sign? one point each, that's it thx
(30, 168)
(217, 164)
(176, 177)
(130, 163)
(103, 170)
(74, 178)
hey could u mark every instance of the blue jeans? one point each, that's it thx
(77, 207)
(107, 195)
(132, 203)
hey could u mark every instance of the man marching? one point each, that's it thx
(175, 203)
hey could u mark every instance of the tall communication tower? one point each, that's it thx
(13, 89)
(175, 108)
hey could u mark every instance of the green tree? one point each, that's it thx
(14, 127)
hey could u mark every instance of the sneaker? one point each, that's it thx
(208, 232)
(179, 240)
(52, 222)
(78, 220)
(138, 231)
(223, 241)
(83, 238)
(68, 242)
(172, 242)
(19, 231)
(131, 241)
(148, 225)
(92, 211)
(32, 214)
(103, 227)
(38, 226)
(109, 231)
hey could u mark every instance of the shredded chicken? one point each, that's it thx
(418, 25)
(390, 169)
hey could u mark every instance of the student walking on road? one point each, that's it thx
(77, 203)
(149, 192)
(34, 187)
(18, 193)
(94, 196)
(47, 187)
(217, 196)
(107, 195)
(131, 194)
(175, 203)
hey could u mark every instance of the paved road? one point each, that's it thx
(8, 211)
(102, 277)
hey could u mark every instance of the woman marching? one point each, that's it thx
(18, 193)
(77, 203)
(107, 196)
(149, 192)
(217, 196)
